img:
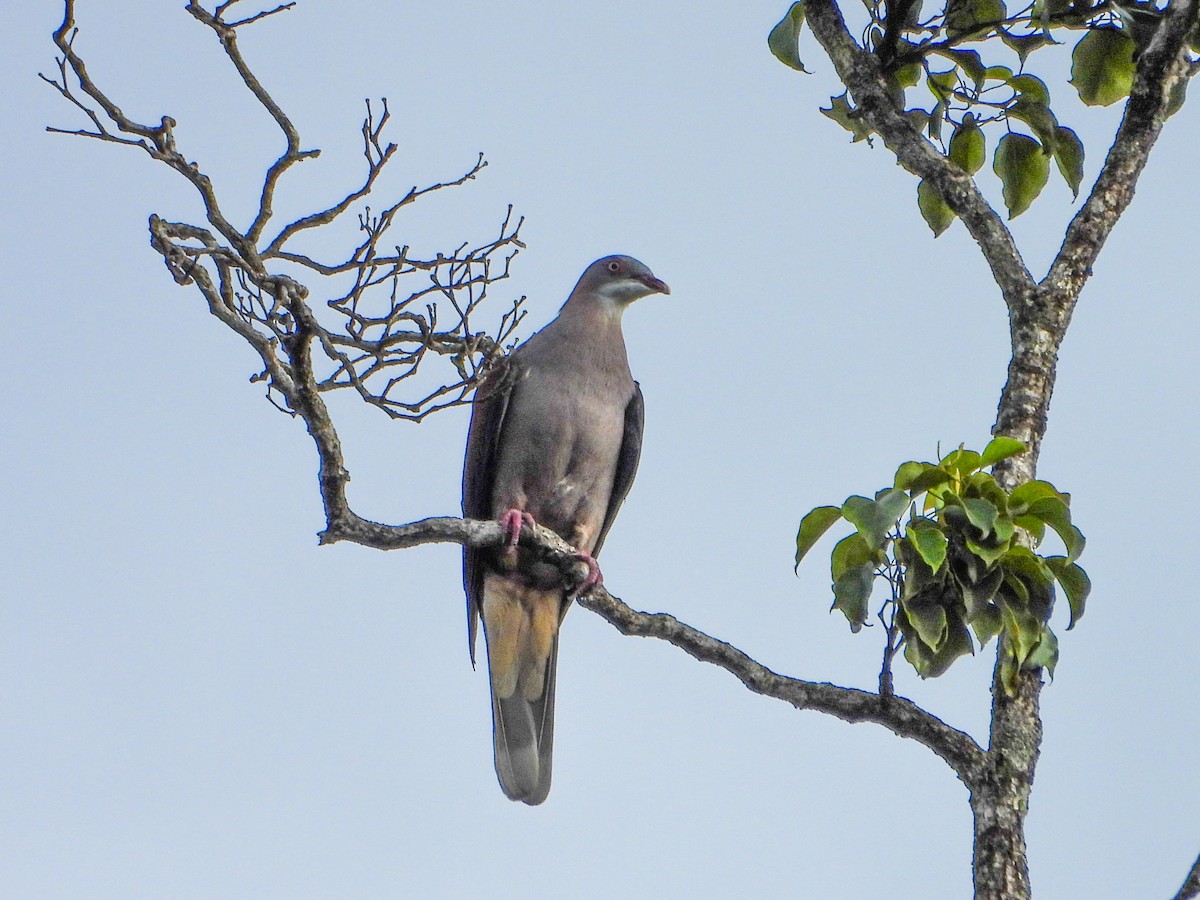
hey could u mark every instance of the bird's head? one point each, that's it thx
(620, 280)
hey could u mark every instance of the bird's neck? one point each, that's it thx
(595, 307)
(597, 324)
(594, 312)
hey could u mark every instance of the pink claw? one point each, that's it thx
(594, 576)
(512, 521)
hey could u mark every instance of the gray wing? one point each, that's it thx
(479, 472)
(627, 462)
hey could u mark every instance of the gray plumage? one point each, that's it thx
(556, 433)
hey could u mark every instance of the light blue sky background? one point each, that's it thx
(196, 701)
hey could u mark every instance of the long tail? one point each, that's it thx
(523, 738)
(521, 627)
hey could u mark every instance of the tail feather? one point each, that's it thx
(521, 627)
(523, 736)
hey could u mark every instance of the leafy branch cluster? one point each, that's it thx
(968, 96)
(961, 562)
(383, 314)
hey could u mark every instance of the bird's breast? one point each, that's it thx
(561, 470)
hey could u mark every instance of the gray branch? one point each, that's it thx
(389, 327)
(900, 716)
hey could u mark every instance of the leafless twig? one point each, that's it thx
(378, 332)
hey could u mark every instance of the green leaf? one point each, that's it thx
(1055, 513)
(784, 39)
(968, 148)
(928, 662)
(850, 552)
(812, 526)
(957, 643)
(918, 577)
(908, 76)
(978, 594)
(936, 116)
(1035, 527)
(1025, 494)
(1028, 579)
(1039, 119)
(1043, 9)
(990, 552)
(964, 462)
(928, 621)
(986, 624)
(981, 513)
(1032, 87)
(999, 448)
(1023, 169)
(1068, 156)
(937, 215)
(1044, 654)
(1032, 568)
(1102, 66)
(977, 16)
(1022, 629)
(920, 476)
(917, 654)
(967, 60)
(1026, 44)
(930, 542)
(848, 117)
(851, 593)
(875, 518)
(982, 484)
(1003, 529)
(942, 84)
(1075, 584)
(918, 118)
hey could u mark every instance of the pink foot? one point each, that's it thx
(594, 577)
(512, 521)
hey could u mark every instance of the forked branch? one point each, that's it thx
(378, 329)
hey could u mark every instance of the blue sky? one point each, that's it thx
(197, 701)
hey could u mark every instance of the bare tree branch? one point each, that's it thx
(283, 7)
(388, 327)
(227, 33)
(900, 716)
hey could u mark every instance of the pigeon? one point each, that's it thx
(555, 438)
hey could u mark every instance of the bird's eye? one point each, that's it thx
(614, 266)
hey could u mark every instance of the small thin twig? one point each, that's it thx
(283, 7)
(384, 341)
(893, 573)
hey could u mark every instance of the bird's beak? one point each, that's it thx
(656, 284)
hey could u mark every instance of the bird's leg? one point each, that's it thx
(511, 522)
(594, 576)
